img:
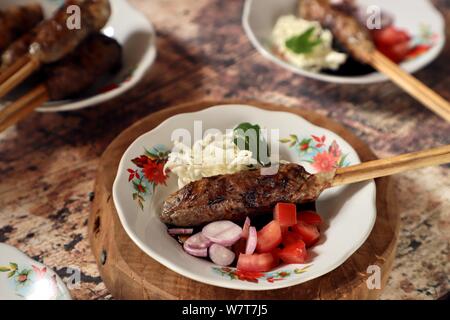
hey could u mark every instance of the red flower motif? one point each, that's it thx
(334, 150)
(283, 274)
(304, 146)
(320, 140)
(141, 161)
(133, 173)
(154, 171)
(249, 276)
(418, 50)
(141, 188)
(40, 272)
(22, 278)
(324, 162)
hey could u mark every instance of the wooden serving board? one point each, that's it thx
(131, 274)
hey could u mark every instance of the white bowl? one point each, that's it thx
(349, 212)
(260, 16)
(136, 35)
(22, 278)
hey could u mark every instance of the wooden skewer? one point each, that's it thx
(385, 167)
(14, 75)
(414, 87)
(20, 109)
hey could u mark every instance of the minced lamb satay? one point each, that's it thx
(345, 27)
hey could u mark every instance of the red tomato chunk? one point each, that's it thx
(257, 262)
(291, 237)
(309, 233)
(269, 237)
(309, 217)
(285, 214)
(293, 253)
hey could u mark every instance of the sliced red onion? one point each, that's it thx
(221, 255)
(196, 252)
(245, 228)
(176, 231)
(222, 232)
(251, 241)
(198, 241)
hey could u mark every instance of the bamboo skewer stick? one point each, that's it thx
(13, 76)
(20, 109)
(385, 167)
(410, 84)
(7, 73)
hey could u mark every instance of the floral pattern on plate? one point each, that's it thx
(316, 151)
(271, 277)
(22, 278)
(422, 42)
(148, 173)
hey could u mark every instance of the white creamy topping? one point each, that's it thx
(322, 55)
(214, 155)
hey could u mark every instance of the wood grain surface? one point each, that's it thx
(130, 274)
(48, 162)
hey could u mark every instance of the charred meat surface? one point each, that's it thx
(54, 39)
(95, 57)
(16, 21)
(345, 28)
(235, 196)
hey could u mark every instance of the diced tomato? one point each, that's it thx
(294, 253)
(269, 237)
(291, 237)
(261, 262)
(389, 36)
(309, 217)
(285, 214)
(396, 53)
(393, 43)
(309, 233)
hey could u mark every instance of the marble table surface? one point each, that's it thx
(48, 162)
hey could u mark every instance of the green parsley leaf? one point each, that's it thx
(242, 138)
(303, 42)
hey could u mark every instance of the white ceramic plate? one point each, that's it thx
(349, 212)
(260, 16)
(22, 278)
(137, 37)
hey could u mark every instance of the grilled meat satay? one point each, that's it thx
(17, 20)
(235, 196)
(54, 39)
(346, 29)
(92, 59)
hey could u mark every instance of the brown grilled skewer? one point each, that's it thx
(17, 20)
(249, 193)
(95, 57)
(357, 40)
(53, 41)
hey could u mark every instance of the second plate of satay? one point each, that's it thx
(327, 39)
(244, 198)
(68, 57)
(345, 41)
